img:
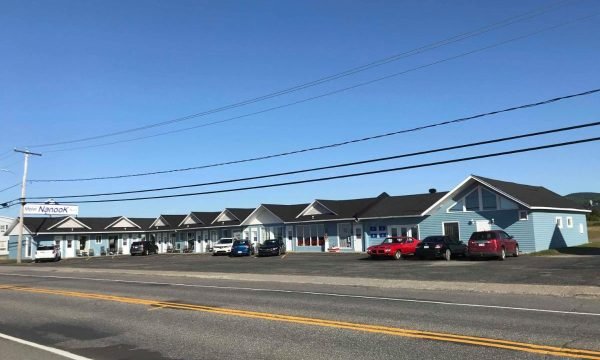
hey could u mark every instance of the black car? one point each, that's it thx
(271, 247)
(143, 248)
(440, 246)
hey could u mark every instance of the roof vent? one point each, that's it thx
(432, 191)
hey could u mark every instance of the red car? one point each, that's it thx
(395, 247)
(494, 243)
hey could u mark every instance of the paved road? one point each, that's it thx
(135, 317)
(572, 270)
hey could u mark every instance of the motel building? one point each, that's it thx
(537, 217)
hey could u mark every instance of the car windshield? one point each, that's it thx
(434, 239)
(136, 243)
(45, 247)
(240, 243)
(270, 243)
(483, 235)
(225, 241)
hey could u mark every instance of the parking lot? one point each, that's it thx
(557, 270)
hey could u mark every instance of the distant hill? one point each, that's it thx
(584, 198)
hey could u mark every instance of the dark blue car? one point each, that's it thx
(242, 248)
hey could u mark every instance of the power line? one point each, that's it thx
(381, 171)
(503, 23)
(462, 146)
(331, 92)
(322, 147)
(10, 187)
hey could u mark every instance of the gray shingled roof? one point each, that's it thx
(405, 205)
(344, 209)
(534, 196)
(286, 212)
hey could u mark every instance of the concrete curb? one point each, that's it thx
(477, 287)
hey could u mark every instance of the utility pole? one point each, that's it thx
(22, 199)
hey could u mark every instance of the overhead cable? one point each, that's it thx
(364, 173)
(322, 147)
(354, 163)
(456, 38)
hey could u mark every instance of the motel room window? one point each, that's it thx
(82, 241)
(290, 234)
(98, 239)
(414, 232)
(69, 243)
(569, 222)
(559, 222)
(523, 215)
(472, 201)
(310, 235)
(488, 199)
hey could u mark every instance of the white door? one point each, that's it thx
(483, 225)
(69, 246)
(358, 237)
(289, 238)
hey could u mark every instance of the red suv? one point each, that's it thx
(495, 243)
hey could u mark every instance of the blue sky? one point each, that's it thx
(72, 69)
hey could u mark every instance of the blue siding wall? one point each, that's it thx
(549, 236)
(13, 244)
(507, 220)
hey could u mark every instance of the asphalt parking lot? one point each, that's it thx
(557, 270)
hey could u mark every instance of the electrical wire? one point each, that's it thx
(322, 147)
(503, 23)
(389, 76)
(10, 187)
(354, 163)
(381, 171)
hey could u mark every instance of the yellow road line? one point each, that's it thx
(447, 337)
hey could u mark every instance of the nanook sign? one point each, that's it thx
(45, 209)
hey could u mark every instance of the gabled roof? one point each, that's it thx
(536, 197)
(123, 220)
(68, 219)
(341, 209)
(398, 206)
(286, 213)
(169, 222)
(531, 197)
(236, 216)
(202, 219)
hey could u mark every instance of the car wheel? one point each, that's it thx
(448, 255)
(516, 253)
(36, 261)
(397, 255)
(421, 257)
(502, 255)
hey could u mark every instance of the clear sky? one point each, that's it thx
(72, 69)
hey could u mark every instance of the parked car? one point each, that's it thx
(143, 248)
(48, 252)
(494, 243)
(242, 248)
(440, 246)
(223, 246)
(395, 247)
(271, 247)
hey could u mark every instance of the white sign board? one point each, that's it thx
(46, 209)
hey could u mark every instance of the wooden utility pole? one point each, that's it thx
(22, 200)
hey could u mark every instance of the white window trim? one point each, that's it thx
(479, 190)
(558, 221)
(570, 222)
(526, 215)
(580, 228)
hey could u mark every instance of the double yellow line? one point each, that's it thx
(393, 331)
